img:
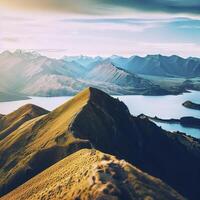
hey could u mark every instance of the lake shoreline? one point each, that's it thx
(164, 107)
(189, 121)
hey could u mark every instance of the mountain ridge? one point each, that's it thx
(169, 66)
(93, 119)
(93, 175)
(27, 73)
(10, 122)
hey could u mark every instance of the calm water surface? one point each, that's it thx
(164, 107)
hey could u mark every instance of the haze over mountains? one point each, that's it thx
(93, 119)
(29, 72)
(156, 65)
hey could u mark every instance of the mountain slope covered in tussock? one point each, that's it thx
(89, 174)
(12, 121)
(95, 119)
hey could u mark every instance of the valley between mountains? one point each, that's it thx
(91, 147)
(26, 74)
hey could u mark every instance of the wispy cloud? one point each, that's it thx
(10, 39)
(97, 7)
(59, 34)
(70, 6)
(190, 27)
(110, 24)
(168, 6)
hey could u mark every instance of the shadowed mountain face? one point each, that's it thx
(94, 119)
(1, 116)
(157, 65)
(93, 175)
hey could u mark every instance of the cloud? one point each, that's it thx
(139, 48)
(190, 27)
(71, 6)
(112, 24)
(168, 6)
(97, 7)
(98, 35)
(10, 39)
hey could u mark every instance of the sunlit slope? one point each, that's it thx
(95, 119)
(173, 157)
(39, 143)
(89, 174)
(12, 121)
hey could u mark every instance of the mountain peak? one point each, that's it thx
(93, 119)
(26, 54)
(27, 108)
(15, 119)
(86, 96)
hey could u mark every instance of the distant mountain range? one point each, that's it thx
(96, 121)
(155, 65)
(30, 73)
(158, 65)
(6, 96)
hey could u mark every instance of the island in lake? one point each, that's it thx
(191, 105)
(95, 121)
(189, 121)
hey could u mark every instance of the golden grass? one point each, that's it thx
(33, 138)
(92, 175)
(12, 121)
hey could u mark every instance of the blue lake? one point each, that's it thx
(164, 107)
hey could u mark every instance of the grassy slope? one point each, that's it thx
(37, 139)
(93, 175)
(12, 121)
(93, 116)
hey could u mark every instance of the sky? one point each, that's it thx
(101, 27)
